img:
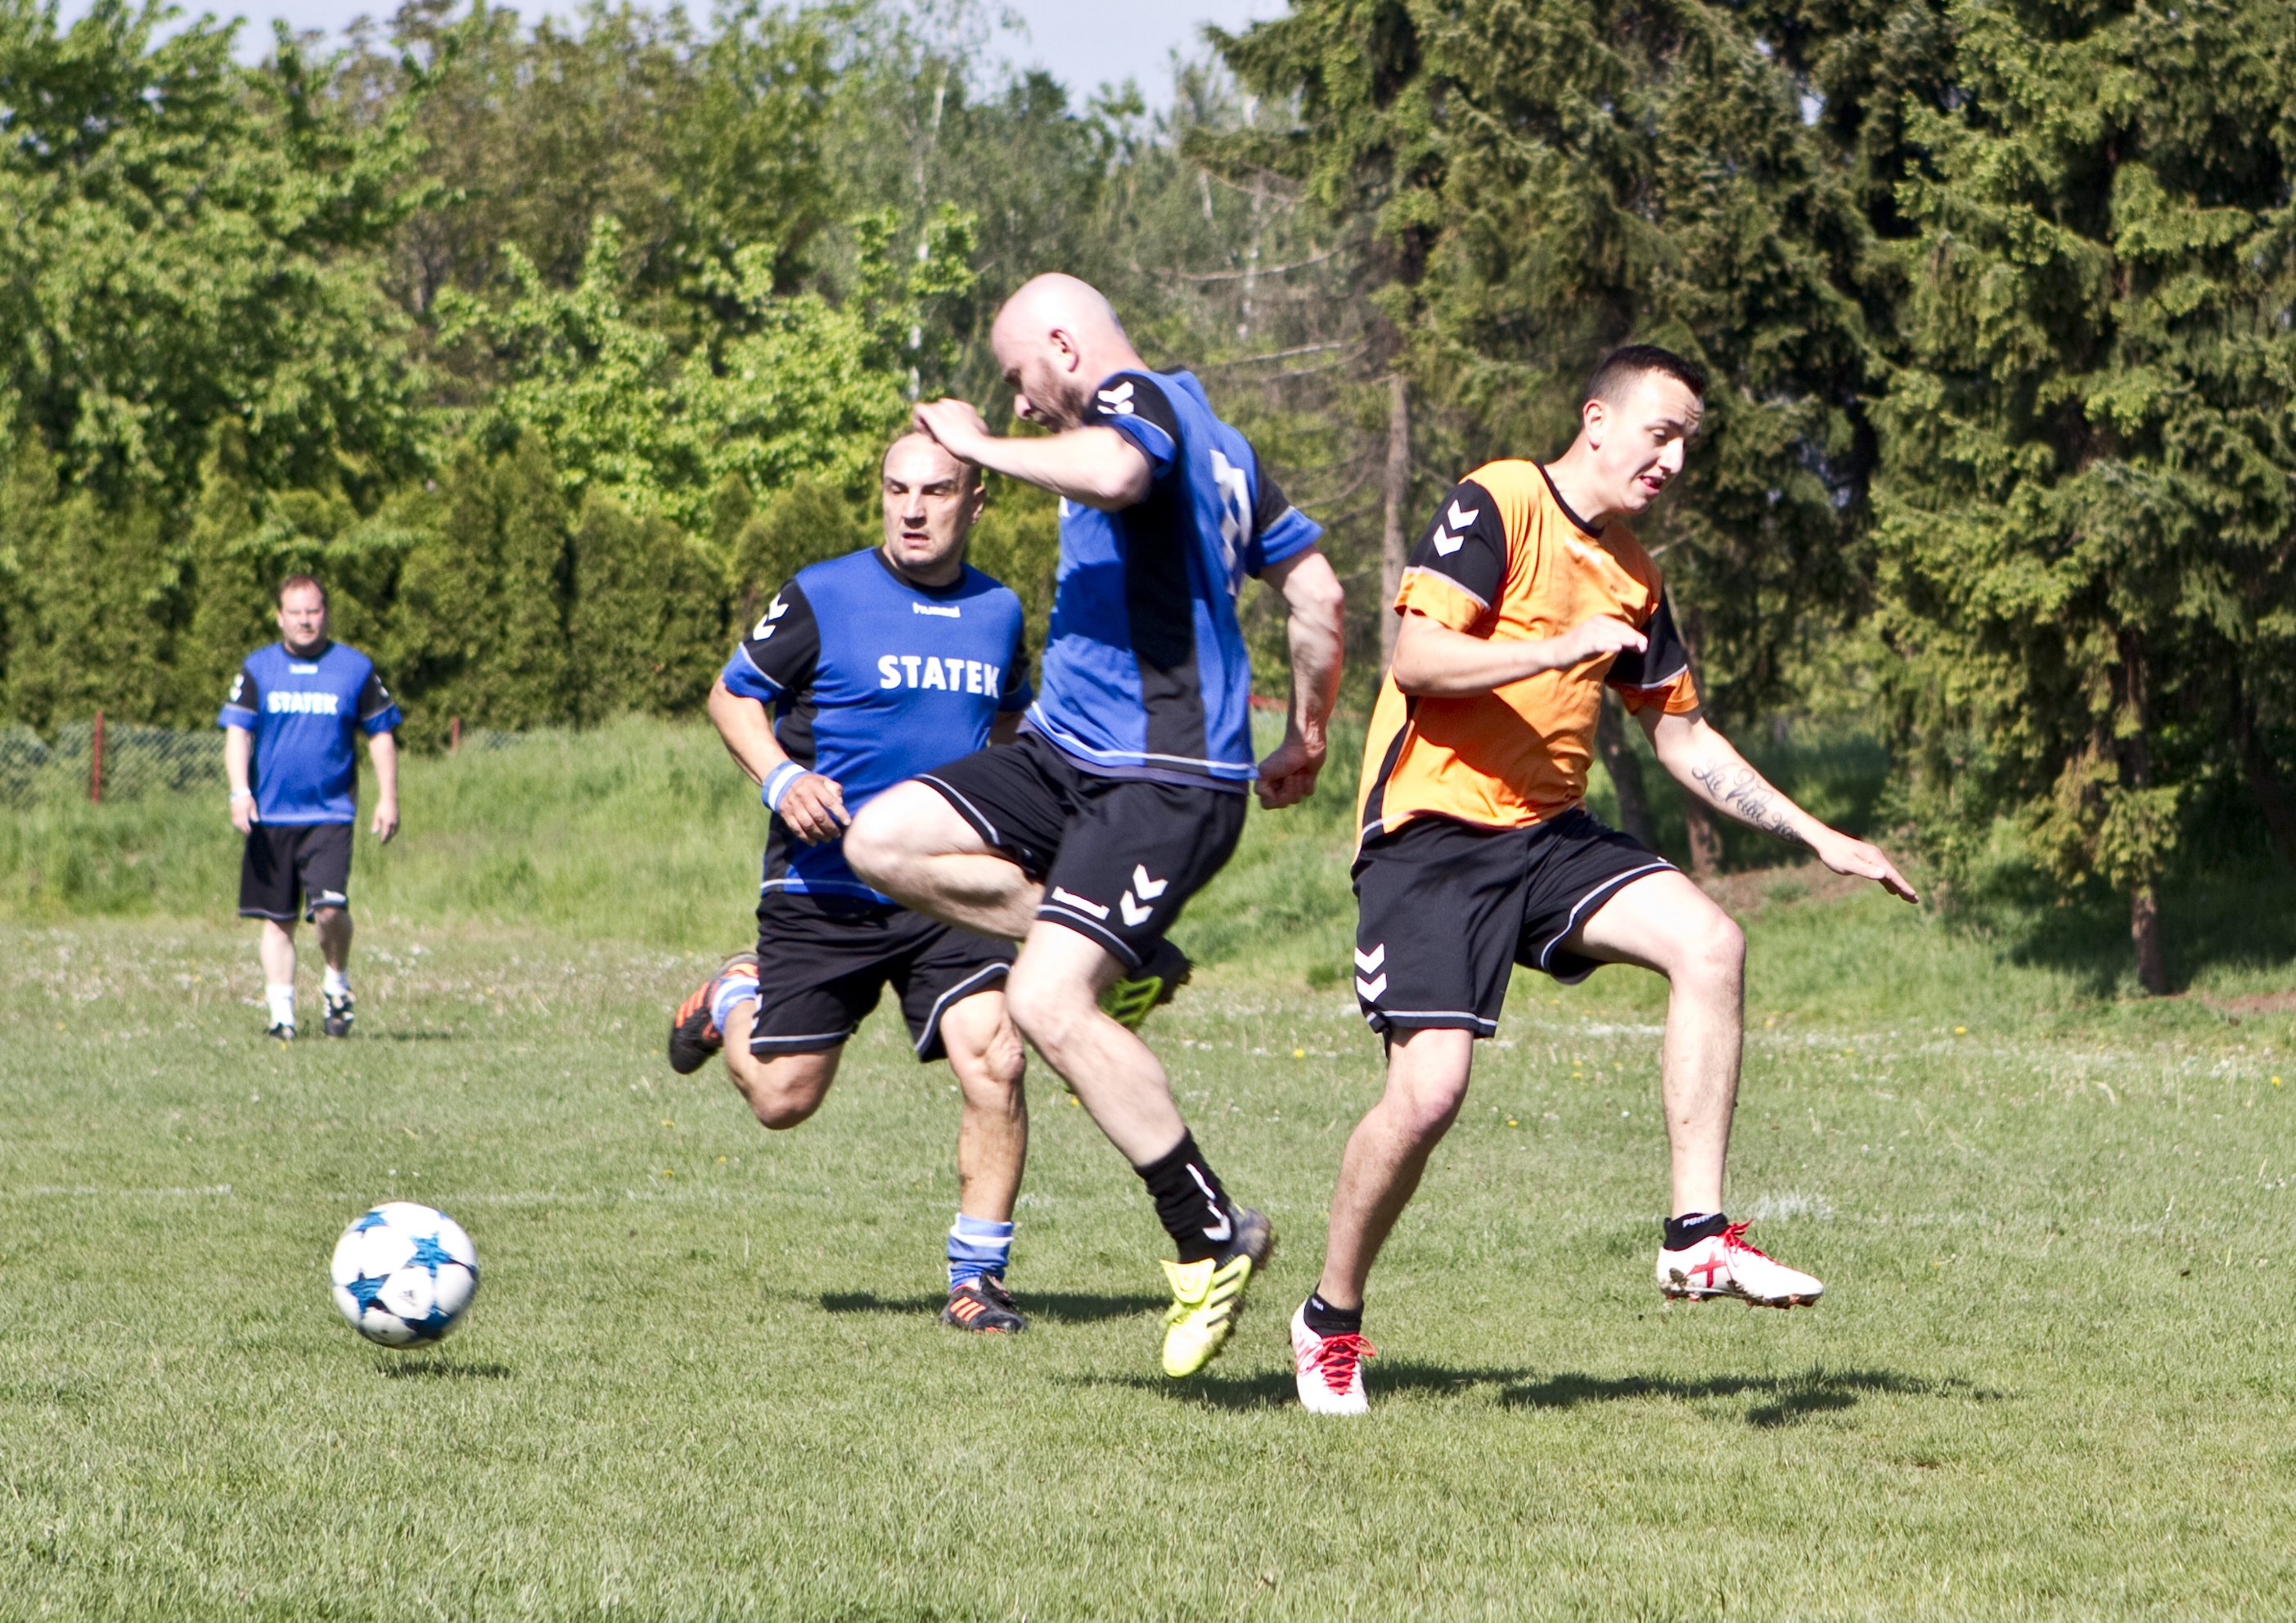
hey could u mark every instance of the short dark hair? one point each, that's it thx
(1622, 366)
(292, 581)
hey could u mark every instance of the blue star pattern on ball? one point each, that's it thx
(404, 1274)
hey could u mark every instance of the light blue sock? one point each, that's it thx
(733, 991)
(977, 1246)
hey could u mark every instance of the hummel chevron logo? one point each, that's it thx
(1069, 899)
(1116, 402)
(1136, 914)
(1369, 962)
(1371, 980)
(1369, 990)
(1459, 520)
(1450, 535)
(1219, 1228)
(765, 628)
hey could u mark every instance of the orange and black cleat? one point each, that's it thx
(983, 1305)
(694, 1035)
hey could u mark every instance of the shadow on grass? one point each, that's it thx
(1051, 1306)
(441, 1369)
(1274, 1389)
(1791, 1399)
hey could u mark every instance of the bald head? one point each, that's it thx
(1055, 339)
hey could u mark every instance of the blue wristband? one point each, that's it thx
(777, 785)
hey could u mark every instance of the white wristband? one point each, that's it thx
(243, 794)
(777, 783)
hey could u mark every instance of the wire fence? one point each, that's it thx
(102, 760)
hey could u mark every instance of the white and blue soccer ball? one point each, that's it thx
(404, 1274)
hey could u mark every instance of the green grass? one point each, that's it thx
(2050, 1378)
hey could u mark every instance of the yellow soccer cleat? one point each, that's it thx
(1208, 1294)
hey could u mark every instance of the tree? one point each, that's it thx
(2086, 515)
(646, 630)
(183, 239)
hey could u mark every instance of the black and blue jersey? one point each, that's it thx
(872, 680)
(305, 713)
(1145, 671)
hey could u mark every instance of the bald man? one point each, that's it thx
(861, 672)
(1126, 791)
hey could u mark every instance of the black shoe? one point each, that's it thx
(283, 1031)
(694, 1035)
(1127, 1002)
(339, 1016)
(984, 1306)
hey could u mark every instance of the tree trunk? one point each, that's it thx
(2264, 780)
(1705, 837)
(1396, 490)
(1626, 770)
(2144, 932)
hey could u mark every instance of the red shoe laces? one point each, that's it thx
(1335, 1359)
(1733, 1239)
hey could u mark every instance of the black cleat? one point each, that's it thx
(283, 1031)
(1129, 1002)
(339, 1015)
(984, 1306)
(694, 1035)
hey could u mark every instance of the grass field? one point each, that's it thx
(2052, 1377)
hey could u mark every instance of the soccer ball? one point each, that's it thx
(404, 1274)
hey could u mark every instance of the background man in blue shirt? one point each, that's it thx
(1126, 791)
(863, 671)
(289, 722)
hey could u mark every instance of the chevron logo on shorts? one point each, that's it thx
(1371, 979)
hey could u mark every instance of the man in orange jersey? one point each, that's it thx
(1523, 599)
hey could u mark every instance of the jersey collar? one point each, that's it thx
(950, 590)
(1585, 529)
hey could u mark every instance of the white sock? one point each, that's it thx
(334, 983)
(282, 1004)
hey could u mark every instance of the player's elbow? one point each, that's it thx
(1316, 597)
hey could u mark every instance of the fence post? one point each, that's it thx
(454, 734)
(95, 765)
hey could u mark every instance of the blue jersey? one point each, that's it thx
(1146, 673)
(872, 680)
(305, 714)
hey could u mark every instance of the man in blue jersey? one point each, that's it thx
(1125, 793)
(863, 671)
(290, 723)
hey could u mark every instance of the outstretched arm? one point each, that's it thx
(1095, 466)
(1709, 765)
(1311, 591)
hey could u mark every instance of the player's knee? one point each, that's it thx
(1715, 952)
(778, 1101)
(1046, 1009)
(327, 918)
(1427, 1106)
(871, 842)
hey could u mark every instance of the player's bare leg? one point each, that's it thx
(782, 1089)
(274, 949)
(1427, 1074)
(1055, 991)
(911, 844)
(992, 1136)
(1664, 922)
(335, 928)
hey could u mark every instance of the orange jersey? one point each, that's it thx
(1505, 559)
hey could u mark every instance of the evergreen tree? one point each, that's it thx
(647, 627)
(2085, 513)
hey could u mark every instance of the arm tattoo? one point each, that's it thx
(1746, 797)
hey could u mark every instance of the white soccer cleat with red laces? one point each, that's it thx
(1725, 1265)
(1329, 1369)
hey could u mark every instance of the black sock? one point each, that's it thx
(1326, 1320)
(1189, 1199)
(1692, 1227)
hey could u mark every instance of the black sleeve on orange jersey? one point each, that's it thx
(1467, 544)
(1657, 666)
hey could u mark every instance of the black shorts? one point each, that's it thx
(281, 858)
(822, 962)
(1117, 856)
(1444, 912)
